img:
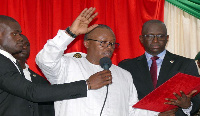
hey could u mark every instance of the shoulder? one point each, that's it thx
(4, 59)
(6, 64)
(37, 78)
(127, 62)
(121, 70)
(122, 74)
(178, 57)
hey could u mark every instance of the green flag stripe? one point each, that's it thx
(190, 6)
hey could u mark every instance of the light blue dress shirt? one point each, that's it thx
(158, 61)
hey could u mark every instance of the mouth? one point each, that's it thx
(23, 52)
(155, 46)
(108, 54)
(20, 44)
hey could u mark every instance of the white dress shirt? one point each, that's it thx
(58, 69)
(197, 67)
(27, 74)
(9, 56)
(25, 71)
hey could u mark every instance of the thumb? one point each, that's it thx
(92, 27)
(192, 93)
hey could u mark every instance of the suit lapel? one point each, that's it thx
(145, 74)
(166, 68)
(33, 76)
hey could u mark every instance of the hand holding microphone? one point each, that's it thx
(101, 78)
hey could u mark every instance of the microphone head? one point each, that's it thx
(105, 63)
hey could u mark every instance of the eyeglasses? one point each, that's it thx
(106, 43)
(160, 37)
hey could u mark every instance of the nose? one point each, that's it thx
(155, 39)
(24, 46)
(110, 46)
(20, 38)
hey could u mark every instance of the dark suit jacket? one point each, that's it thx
(139, 69)
(18, 94)
(44, 108)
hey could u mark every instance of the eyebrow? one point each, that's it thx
(18, 31)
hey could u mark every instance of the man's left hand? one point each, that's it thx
(183, 101)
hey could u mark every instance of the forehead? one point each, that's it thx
(154, 28)
(102, 34)
(14, 26)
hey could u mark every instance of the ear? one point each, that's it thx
(1, 34)
(141, 39)
(1, 31)
(167, 37)
(86, 43)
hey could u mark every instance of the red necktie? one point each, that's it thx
(153, 70)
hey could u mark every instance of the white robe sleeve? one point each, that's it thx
(133, 100)
(50, 60)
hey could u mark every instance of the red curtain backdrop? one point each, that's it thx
(41, 19)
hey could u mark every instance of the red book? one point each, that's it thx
(180, 82)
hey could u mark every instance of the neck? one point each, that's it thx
(92, 60)
(22, 63)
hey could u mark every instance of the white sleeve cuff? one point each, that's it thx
(188, 110)
(62, 39)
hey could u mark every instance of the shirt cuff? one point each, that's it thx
(86, 84)
(188, 110)
(62, 40)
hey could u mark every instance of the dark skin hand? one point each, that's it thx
(99, 79)
(182, 101)
(168, 113)
(80, 25)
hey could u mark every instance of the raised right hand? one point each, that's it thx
(80, 24)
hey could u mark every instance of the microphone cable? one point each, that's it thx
(104, 100)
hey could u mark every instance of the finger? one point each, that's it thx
(171, 100)
(108, 77)
(89, 13)
(107, 82)
(176, 95)
(92, 17)
(104, 72)
(192, 93)
(83, 12)
(183, 94)
(170, 103)
(92, 27)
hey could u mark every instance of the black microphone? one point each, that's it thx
(105, 63)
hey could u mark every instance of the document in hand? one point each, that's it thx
(180, 82)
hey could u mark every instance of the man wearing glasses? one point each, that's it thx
(116, 99)
(157, 65)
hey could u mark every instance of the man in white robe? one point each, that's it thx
(100, 42)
